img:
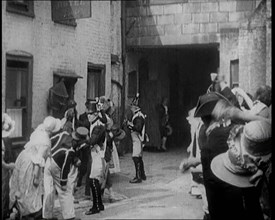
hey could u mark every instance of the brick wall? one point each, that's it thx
(176, 22)
(228, 50)
(116, 69)
(251, 44)
(56, 46)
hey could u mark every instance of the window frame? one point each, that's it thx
(29, 60)
(16, 7)
(102, 82)
(234, 83)
(68, 22)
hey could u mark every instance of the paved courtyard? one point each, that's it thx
(164, 195)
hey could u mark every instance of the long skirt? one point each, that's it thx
(22, 189)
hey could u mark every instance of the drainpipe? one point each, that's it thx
(123, 57)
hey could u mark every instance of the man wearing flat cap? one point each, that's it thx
(57, 169)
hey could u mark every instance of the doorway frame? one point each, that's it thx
(27, 58)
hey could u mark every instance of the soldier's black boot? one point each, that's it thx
(143, 176)
(94, 183)
(137, 163)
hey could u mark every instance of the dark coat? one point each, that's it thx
(83, 121)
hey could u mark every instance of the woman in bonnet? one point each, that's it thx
(26, 183)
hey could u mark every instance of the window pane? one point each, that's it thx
(16, 98)
(234, 69)
(91, 86)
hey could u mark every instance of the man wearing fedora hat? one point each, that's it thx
(57, 169)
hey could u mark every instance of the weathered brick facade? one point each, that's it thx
(183, 21)
(251, 45)
(242, 29)
(56, 46)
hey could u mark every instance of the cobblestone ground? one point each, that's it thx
(164, 195)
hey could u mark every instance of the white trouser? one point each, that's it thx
(137, 144)
(52, 183)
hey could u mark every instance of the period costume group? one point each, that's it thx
(54, 161)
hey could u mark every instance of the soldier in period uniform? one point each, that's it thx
(57, 172)
(137, 127)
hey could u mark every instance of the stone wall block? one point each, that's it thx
(219, 17)
(155, 10)
(245, 5)
(165, 19)
(210, 7)
(200, 17)
(227, 6)
(191, 8)
(173, 29)
(209, 28)
(190, 28)
(183, 18)
(172, 9)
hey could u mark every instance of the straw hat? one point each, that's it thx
(8, 125)
(249, 153)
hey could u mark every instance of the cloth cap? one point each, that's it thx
(80, 133)
(52, 124)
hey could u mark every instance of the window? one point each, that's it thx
(95, 80)
(19, 96)
(132, 84)
(234, 73)
(24, 7)
(61, 9)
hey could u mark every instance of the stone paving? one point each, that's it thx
(164, 195)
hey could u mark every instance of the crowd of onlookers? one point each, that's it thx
(230, 155)
(230, 152)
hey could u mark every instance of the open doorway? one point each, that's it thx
(182, 75)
